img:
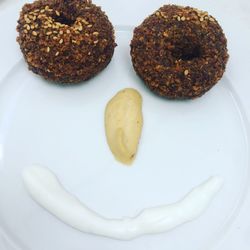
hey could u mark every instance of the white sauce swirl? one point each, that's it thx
(45, 189)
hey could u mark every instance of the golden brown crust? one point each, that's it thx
(179, 52)
(65, 41)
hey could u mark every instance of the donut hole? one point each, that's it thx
(187, 52)
(64, 20)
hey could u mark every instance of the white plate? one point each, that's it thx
(183, 143)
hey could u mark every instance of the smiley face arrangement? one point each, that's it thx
(72, 41)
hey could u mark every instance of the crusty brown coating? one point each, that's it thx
(179, 52)
(65, 41)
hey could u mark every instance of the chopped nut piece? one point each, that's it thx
(165, 33)
(79, 27)
(61, 41)
(84, 21)
(163, 15)
(186, 72)
(27, 20)
(195, 88)
(48, 49)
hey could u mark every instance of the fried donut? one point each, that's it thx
(65, 41)
(179, 52)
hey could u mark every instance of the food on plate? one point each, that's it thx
(45, 189)
(65, 41)
(123, 124)
(179, 52)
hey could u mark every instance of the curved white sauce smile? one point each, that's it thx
(45, 188)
